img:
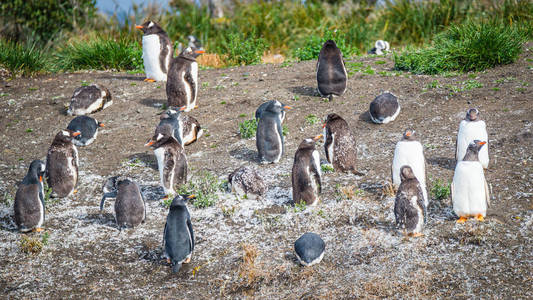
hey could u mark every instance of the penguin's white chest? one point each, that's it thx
(280, 143)
(160, 155)
(469, 194)
(409, 153)
(468, 132)
(420, 215)
(151, 58)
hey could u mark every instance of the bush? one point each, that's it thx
(248, 128)
(204, 188)
(314, 44)
(20, 59)
(245, 50)
(440, 190)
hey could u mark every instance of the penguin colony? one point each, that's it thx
(470, 194)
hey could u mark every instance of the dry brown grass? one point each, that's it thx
(388, 190)
(248, 269)
(212, 60)
(270, 57)
(30, 244)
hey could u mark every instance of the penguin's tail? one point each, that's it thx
(176, 267)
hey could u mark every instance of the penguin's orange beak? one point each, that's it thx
(324, 125)
(101, 125)
(76, 133)
(287, 107)
(408, 133)
(318, 137)
(199, 51)
(482, 143)
(183, 108)
(41, 178)
(138, 27)
(150, 143)
(191, 196)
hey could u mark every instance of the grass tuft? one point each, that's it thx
(22, 59)
(440, 189)
(247, 129)
(31, 245)
(205, 187)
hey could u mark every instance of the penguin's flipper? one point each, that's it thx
(317, 178)
(107, 195)
(190, 80)
(191, 232)
(164, 235)
(487, 193)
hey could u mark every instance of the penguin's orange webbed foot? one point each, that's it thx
(165, 198)
(74, 192)
(462, 220)
(480, 218)
(149, 80)
(418, 234)
(188, 260)
(38, 229)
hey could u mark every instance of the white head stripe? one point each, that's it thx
(150, 24)
(159, 136)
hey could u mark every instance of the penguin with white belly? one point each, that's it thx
(339, 144)
(306, 174)
(269, 135)
(89, 99)
(186, 129)
(409, 208)
(130, 205)
(87, 126)
(157, 51)
(470, 192)
(409, 152)
(29, 206)
(178, 236)
(384, 108)
(470, 129)
(62, 164)
(331, 73)
(182, 84)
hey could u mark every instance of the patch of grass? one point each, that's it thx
(205, 187)
(248, 268)
(298, 207)
(521, 89)
(7, 200)
(472, 84)
(242, 115)
(248, 128)
(313, 45)
(29, 130)
(440, 189)
(311, 119)
(23, 59)
(45, 238)
(30, 245)
(327, 168)
(205, 84)
(296, 97)
(245, 49)
(222, 102)
(380, 62)
(4, 94)
(284, 130)
(433, 85)
(495, 89)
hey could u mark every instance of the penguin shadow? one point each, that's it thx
(305, 91)
(7, 224)
(368, 223)
(151, 102)
(143, 158)
(443, 162)
(103, 218)
(125, 77)
(152, 192)
(365, 117)
(243, 153)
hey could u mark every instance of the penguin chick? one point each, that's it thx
(186, 129)
(309, 249)
(269, 135)
(193, 43)
(87, 126)
(409, 207)
(470, 192)
(89, 99)
(385, 108)
(178, 236)
(380, 47)
(246, 181)
(339, 144)
(182, 84)
(331, 73)
(62, 164)
(29, 206)
(157, 51)
(470, 129)
(264, 105)
(306, 174)
(130, 205)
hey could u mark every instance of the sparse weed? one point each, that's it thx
(248, 128)
(284, 130)
(248, 268)
(433, 85)
(242, 115)
(311, 119)
(327, 168)
(440, 189)
(204, 187)
(472, 84)
(30, 245)
(298, 207)
(45, 238)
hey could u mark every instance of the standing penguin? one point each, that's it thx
(339, 144)
(29, 200)
(87, 126)
(470, 192)
(331, 73)
(306, 175)
(186, 129)
(384, 108)
(89, 99)
(409, 152)
(178, 236)
(264, 105)
(157, 51)
(62, 164)
(269, 135)
(171, 159)
(309, 249)
(470, 129)
(130, 206)
(409, 207)
(182, 84)
(380, 47)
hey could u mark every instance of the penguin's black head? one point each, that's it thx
(309, 143)
(475, 145)
(332, 117)
(150, 27)
(162, 134)
(37, 168)
(276, 107)
(406, 173)
(409, 134)
(181, 200)
(472, 114)
(330, 44)
(65, 136)
(110, 185)
(194, 42)
(192, 53)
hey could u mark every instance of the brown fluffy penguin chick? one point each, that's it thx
(89, 99)
(409, 207)
(130, 207)
(339, 144)
(62, 164)
(306, 175)
(246, 181)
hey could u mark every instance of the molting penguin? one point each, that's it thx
(331, 73)
(309, 249)
(178, 237)
(246, 181)
(186, 129)
(306, 175)
(470, 129)
(380, 47)
(87, 126)
(29, 206)
(409, 152)
(470, 192)
(157, 51)
(171, 159)
(264, 105)
(130, 207)
(339, 144)
(269, 135)
(182, 84)
(384, 109)
(89, 99)
(409, 207)
(62, 164)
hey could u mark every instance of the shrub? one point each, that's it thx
(311, 119)
(205, 188)
(21, 59)
(440, 190)
(248, 128)
(245, 49)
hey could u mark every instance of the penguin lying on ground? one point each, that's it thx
(409, 207)
(87, 126)
(182, 84)
(263, 107)
(29, 206)
(384, 108)
(470, 192)
(269, 135)
(89, 99)
(178, 236)
(331, 73)
(470, 129)
(157, 51)
(380, 48)
(186, 129)
(306, 173)
(309, 249)
(62, 164)
(339, 144)
(130, 206)
(246, 181)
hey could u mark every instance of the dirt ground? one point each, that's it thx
(85, 256)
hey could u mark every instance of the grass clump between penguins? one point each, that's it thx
(248, 129)
(204, 187)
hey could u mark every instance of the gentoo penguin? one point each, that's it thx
(409, 207)
(89, 99)
(269, 135)
(178, 237)
(385, 108)
(87, 126)
(380, 47)
(339, 144)
(157, 51)
(470, 192)
(472, 128)
(171, 159)
(309, 249)
(130, 207)
(62, 164)
(409, 152)
(186, 129)
(29, 200)
(331, 73)
(182, 84)
(306, 174)
(193, 43)
(246, 181)
(264, 105)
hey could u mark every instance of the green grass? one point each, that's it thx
(21, 59)
(247, 129)
(311, 119)
(327, 168)
(245, 49)
(440, 189)
(314, 43)
(204, 186)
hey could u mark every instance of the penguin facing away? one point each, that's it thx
(309, 249)
(130, 205)
(331, 73)
(306, 173)
(186, 129)
(384, 108)
(247, 181)
(339, 144)
(380, 47)
(470, 192)
(264, 105)
(29, 206)
(62, 164)
(269, 134)
(87, 126)
(157, 51)
(89, 99)
(178, 235)
(470, 129)
(409, 208)
(182, 84)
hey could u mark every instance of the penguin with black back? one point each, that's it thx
(89, 99)
(470, 129)
(409, 208)
(87, 126)
(29, 206)
(269, 135)
(309, 249)
(331, 73)
(306, 173)
(264, 105)
(187, 129)
(62, 164)
(130, 205)
(339, 144)
(157, 51)
(178, 236)
(384, 108)
(182, 84)
(247, 181)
